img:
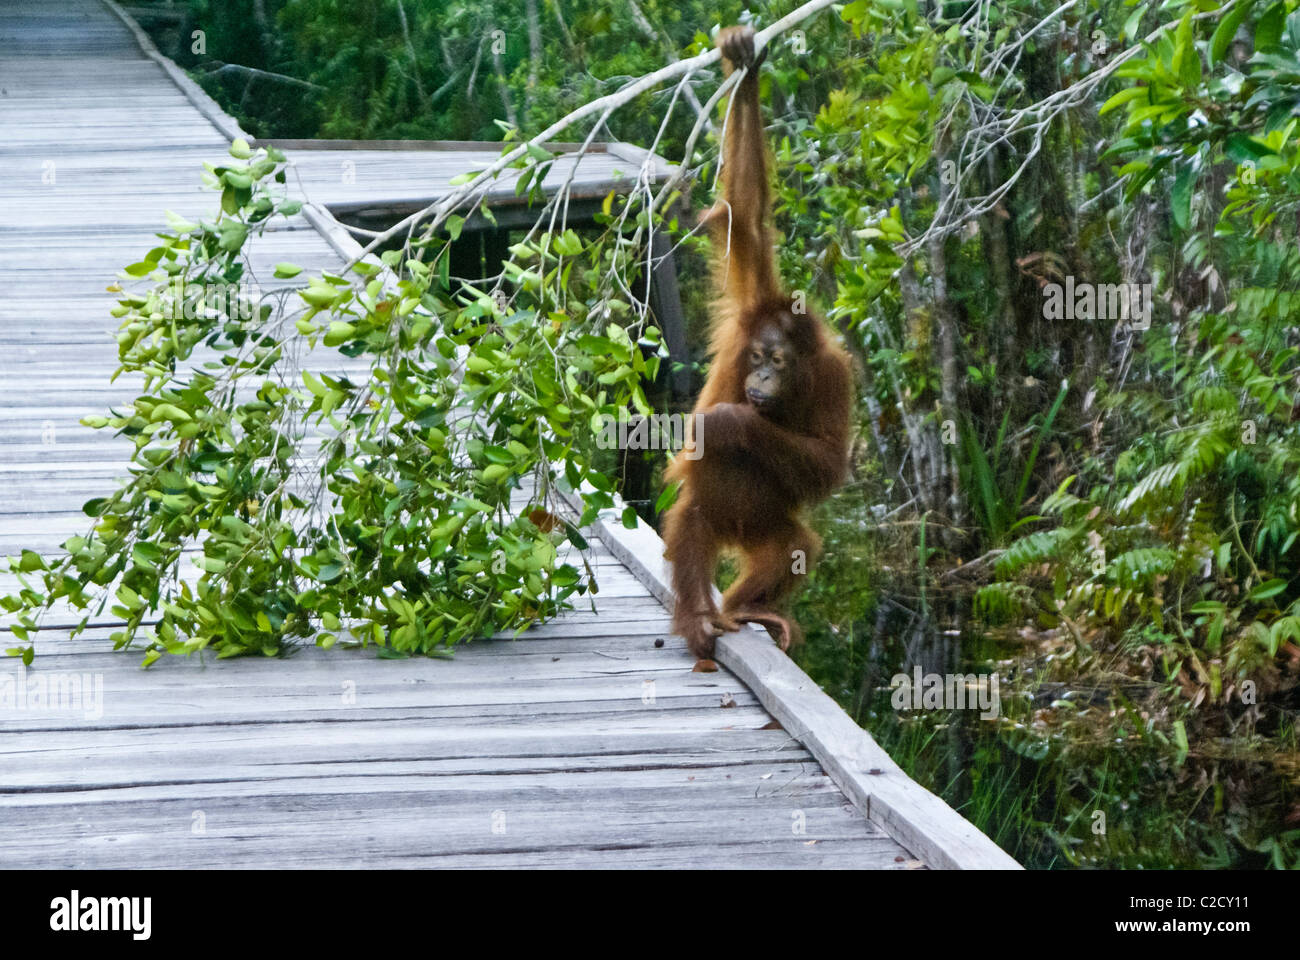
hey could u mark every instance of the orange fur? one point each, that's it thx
(756, 470)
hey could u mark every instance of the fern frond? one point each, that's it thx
(1041, 547)
(1142, 565)
(1004, 601)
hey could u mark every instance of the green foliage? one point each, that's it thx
(1199, 514)
(1165, 559)
(997, 504)
(430, 70)
(371, 509)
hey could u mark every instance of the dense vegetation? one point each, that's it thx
(1105, 512)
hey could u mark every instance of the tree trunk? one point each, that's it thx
(945, 323)
(473, 73)
(568, 37)
(534, 54)
(504, 88)
(264, 30)
(1002, 337)
(410, 51)
(924, 442)
(645, 26)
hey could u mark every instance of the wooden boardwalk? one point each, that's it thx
(581, 744)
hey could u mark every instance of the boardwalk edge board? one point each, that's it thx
(317, 215)
(875, 784)
(335, 234)
(223, 121)
(322, 217)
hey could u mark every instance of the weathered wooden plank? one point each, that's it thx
(455, 762)
(541, 714)
(629, 620)
(866, 773)
(624, 660)
(682, 800)
(717, 855)
(574, 835)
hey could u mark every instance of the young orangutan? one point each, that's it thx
(772, 422)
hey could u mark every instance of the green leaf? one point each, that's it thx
(668, 497)
(1123, 97)
(575, 536)
(1244, 149)
(167, 411)
(1269, 588)
(887, 138)
(1133, 22)
(1227, 29)
(629, 518)
(314, 383)
(233, 235)
(568, 243)
(147, 555)
(942, 75)
(1180, 196)
(179, 224)
(338, 333)
(1268, 30)
(240, 150)
(1180, 740)
(319, 295)
(287, 270)
(1187, 59)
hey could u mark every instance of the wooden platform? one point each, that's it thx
(581, 744)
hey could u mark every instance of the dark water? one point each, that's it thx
(1066, 776)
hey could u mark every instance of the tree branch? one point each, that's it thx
(956, 209)
(629, 92)
(217, 68)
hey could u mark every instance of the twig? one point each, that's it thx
(1035, 118)
(216, 68)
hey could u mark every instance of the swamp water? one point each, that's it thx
(1064, 775)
